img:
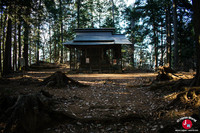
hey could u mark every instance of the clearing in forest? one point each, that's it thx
(108, 102)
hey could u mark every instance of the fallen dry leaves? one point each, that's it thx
(108, 96)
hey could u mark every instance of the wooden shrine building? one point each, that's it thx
(96, 50)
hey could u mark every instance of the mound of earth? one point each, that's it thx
(59, 79)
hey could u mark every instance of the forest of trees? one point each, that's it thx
(170, 27)
(35, 29)
(157, 87)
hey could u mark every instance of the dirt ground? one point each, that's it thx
(108, 96)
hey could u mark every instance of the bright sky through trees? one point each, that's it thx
(129, 2)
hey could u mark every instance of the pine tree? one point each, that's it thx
(7, 57)
(196, 8)
(176, 50)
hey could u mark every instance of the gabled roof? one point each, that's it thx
(97, 37)
(93, 38)
(121, 39)
(72, 43)
(94, 30)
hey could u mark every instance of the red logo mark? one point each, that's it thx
(187, 124)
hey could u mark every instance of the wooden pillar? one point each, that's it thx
(121, 56)
(112, 53)
(78, 57)
(74, 53)
(77, 53)
(70, 58)
(109, 59)
(101, 58)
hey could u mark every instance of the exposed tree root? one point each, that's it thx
(59, 79)
(181, 99)
(190, 97)
(180, 95)
(29, 113)
(170, 86)
(166, 73)
(34, 112)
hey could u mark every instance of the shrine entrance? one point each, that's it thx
(96, 50)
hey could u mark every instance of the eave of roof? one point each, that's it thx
(121, 39)
(103, 36)
(94, 38)
(95, 30)
(87, 43)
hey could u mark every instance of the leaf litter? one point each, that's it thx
(107, 97)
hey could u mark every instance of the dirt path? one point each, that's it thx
(109, 96)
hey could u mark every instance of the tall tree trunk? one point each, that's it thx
(19, 43)
(196, 8)
(1, 29)
(58, 51)
(99, 12)
(182, 64)
(176, 54)
(26, 38)
(55, 46)
(161, 44)
(99, 20)
(155, 46)
(43, 52)
(38, 44)
(7, 57)
(155, 37)
(50, 43)
(78, 12)
(50, 51)
(61, 31)
(133, 42)
(38, 34)
(55, 52)
(30, 51)
(4, 34)
(168, 25)
(61, 58)
(35, 48)
(113, 13)
(92, 11)
(15, 47)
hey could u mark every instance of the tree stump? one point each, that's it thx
(59, 79)
(165, 73)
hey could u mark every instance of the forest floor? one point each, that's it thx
(114, 102)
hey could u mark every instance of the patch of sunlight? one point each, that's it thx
(19, 77)
(114, 76)
(86, 82)
(124, 84)
(171, 96)
(40, 72)
(40, 79)
(178, 113)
